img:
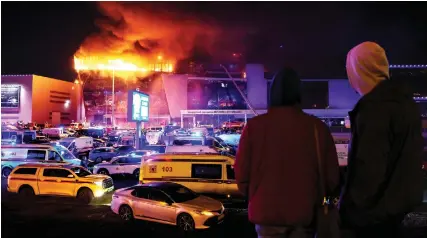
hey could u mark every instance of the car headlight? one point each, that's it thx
(98, 183)
(205, 213)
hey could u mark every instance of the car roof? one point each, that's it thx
(46, 165)
(162, 185)
(27, 146)
(195, 156)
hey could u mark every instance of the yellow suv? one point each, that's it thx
(58, 180)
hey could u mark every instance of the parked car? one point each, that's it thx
(99, 143)
(102, 154)
(124, 149)
(107, 153)
(141, 153)
(167, 203)
(119, 165)
(58, 180)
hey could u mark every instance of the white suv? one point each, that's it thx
(119, 165)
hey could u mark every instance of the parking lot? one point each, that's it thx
(63, 217)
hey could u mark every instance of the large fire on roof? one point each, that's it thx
(138, 38)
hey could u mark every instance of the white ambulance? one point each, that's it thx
(207, 173)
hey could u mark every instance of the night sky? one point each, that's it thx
(314, 38)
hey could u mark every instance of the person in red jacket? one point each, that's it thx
(276, 163)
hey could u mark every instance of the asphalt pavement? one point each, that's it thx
(64, 217)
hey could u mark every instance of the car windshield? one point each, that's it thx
(221, 141)
(181, 194)
(80, 171)
(65, 143)
(66, 154)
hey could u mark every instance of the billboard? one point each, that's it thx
(138, 106)
(10, 96)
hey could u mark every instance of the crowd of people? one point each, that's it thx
(293, 185)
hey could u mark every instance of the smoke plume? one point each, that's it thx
(141, 31)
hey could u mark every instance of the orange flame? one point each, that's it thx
(98, 64)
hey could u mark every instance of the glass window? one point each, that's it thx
(80, 171)
(62, 173)
(206, 171)
(54, 156)
(134, 160)
(36, 154)
(315, 94)
(230, 172)
(210, 142)
(122, 160)
(180, 193)
(140, 193)
(159, 196)
(26, 171)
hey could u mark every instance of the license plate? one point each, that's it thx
(221, 217)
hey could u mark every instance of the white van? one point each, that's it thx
(54, 133)
(154, 137)
(203, 173)
(156, 129)
(12, 156)
(77, 143)
(80, 146)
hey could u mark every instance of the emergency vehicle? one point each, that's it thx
(206, 173)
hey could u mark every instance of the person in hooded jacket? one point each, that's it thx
(384, 177)
(276, 163)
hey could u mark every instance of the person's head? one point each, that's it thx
(367, 65)
(285, 89)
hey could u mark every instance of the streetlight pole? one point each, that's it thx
(112, 104)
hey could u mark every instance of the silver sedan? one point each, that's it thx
(167, 203)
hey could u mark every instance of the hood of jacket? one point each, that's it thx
(367, 66)
(285, 89)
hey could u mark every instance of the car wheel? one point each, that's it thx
(126, 213)
(98, 160)
(136, 173)
(185, 223)
(26, 192)
(85, 196)
(103, 171)
(6, 172)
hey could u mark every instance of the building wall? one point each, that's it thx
(24, 112)
(341, 95)
(50, 96)
(256, 86)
